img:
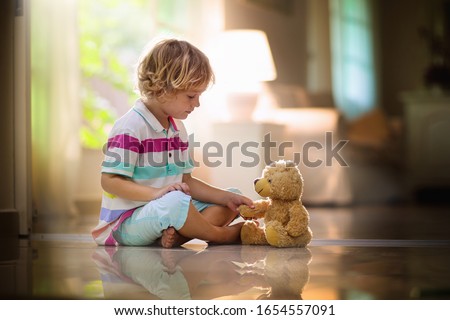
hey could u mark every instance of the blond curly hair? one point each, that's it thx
(172, 66)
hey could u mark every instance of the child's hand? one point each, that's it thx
(235, 200)
(178, 186)
(257, 211)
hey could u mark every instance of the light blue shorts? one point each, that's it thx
(147, 223)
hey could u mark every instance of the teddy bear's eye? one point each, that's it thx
(270, 180)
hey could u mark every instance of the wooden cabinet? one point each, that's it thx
(427, 120)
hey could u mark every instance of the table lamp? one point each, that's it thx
(242, 60)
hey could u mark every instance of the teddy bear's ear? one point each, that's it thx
(290, 164)
(283, 164)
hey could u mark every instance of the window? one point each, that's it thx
(353, 56)
(112, 34)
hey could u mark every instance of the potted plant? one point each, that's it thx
(437, 37)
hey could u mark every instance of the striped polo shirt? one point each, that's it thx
(141, 149)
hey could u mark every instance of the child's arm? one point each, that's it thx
(202, 191)
(126, 188)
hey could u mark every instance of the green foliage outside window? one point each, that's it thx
(112, 34)
(109, 42)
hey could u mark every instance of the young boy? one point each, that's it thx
(146, 175)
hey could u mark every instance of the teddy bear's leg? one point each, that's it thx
(304, 239)
(252, 234)
(308, 235)
(277, 236)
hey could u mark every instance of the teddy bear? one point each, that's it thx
(286, 220)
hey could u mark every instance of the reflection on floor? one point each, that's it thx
(400, 252)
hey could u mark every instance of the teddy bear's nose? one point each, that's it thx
(255, 181)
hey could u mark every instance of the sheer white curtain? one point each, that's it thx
(56, 112)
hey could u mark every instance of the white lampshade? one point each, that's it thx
(242, 56)
(241, 60)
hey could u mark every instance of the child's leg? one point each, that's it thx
(149, 224)
(216, 215)
(219, 216)
(198, 226)
(157, 221)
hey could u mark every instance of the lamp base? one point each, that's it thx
(241, 105)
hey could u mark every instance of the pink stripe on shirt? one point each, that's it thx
(163, 144)
(127, 142)
(124, 141)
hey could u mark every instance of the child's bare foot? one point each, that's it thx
(171, 238)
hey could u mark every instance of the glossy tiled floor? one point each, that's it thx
(397, 252)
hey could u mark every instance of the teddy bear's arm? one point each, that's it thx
(259, 211)
(298, 220)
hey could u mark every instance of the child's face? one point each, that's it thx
(183, 103)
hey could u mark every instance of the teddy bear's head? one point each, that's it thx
(281, 180)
